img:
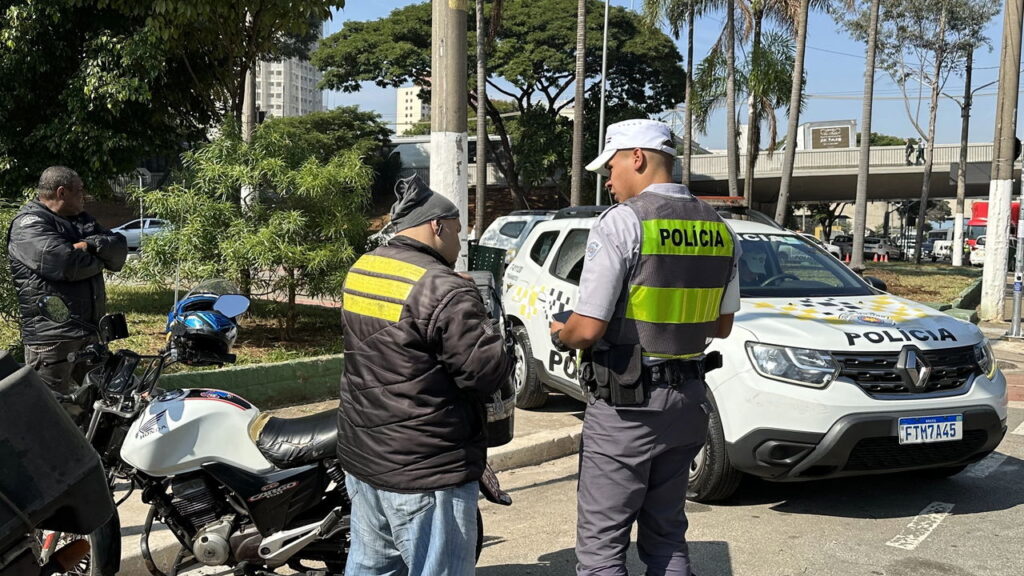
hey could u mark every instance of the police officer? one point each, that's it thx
(658, 284)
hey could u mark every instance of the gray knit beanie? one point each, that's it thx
(418, 204)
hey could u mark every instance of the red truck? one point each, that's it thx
(976, 226)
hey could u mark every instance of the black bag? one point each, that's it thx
(619, 370)
(50, 477)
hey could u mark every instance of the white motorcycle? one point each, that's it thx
(236, 487)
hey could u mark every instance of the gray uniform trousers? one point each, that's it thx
(634, 466)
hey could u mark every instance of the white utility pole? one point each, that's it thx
(1000, 191)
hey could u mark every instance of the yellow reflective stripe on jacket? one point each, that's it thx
(389, 266)
(673, 305)
(373, 308)
(686, 238)
(375, 286)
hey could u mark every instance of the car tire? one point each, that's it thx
(530, 393)
(479, 534)
(712, 476)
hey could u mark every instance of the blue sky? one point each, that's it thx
(835, 80)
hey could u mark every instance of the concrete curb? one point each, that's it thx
(536, 448)
(270, 385)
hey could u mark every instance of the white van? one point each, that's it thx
(825, 374)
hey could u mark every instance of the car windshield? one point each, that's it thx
(787, 266)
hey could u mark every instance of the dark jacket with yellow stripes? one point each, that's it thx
(421, 359)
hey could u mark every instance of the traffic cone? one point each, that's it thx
(847, 260)
(885, 257)
(875, 259)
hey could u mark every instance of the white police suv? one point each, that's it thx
(824, 375)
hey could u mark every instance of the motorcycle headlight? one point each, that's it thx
(985, 358)
(802, 366)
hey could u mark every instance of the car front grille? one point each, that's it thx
(886, 453)
(876, 373)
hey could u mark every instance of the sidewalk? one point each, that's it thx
(1010, 354)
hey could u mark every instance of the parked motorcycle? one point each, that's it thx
(236, 487)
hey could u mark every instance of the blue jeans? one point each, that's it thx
(422, 534)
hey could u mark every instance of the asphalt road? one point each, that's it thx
(894, 525)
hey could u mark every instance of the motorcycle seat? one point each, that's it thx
(291, 442)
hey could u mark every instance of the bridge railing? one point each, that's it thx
(716, 165)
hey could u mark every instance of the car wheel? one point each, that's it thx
(712, 476)
(530, 393)
(479, 534)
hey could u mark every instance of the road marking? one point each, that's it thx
(986, 465)
(1020, 430)
(921, 526)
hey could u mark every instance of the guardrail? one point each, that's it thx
(715, 166)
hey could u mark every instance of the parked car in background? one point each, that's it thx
(881, 247)
(977, 256)
(508, 232)
(134, 230)
(827, 247)
(845, 244)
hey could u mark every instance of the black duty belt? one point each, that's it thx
(674, 373)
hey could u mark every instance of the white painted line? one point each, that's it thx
(986, 465)
(1020, 430)
(921, 526)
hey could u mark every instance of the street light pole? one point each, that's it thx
(604, 83)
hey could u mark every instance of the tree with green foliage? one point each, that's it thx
(10, 318)
(99, 85)
(306, 230)
(533, 56)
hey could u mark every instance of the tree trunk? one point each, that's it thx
(481, 122)
(688, 119)
(957, 250)
(576, 183)
(730, 98)
(860, 211)
(753, 117)
(789, 158)
(933, 109)
(289, 322)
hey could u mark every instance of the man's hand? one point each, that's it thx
(83, 246)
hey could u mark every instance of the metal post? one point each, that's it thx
(142, 221)
(604, 83)
(448, 139)
(576, 183)
(481, 121)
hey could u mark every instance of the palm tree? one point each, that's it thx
(730, 98)
(576, 185)
(677, 14)
(795, 98)
(861, 205)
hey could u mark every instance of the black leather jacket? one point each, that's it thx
(44, 262)
(412, 416)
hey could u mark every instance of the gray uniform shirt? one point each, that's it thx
(613, 249)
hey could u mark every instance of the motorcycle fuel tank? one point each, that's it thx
(183, 429)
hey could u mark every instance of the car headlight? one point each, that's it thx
(985, 358)
(802, 366)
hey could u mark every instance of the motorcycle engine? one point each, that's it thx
(196, 505)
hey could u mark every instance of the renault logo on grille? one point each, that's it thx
(913, 368)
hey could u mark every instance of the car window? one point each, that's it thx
(512, 229)
(568, 265)
(785, 266)
(133, 225)
(542, 247)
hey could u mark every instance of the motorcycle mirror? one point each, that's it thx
(876, 283)
(54, 309)
(231, 305)
(113, 327)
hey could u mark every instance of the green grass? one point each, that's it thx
(260, 332)
(927, 282)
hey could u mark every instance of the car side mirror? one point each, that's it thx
(876, 283)
(113, 327)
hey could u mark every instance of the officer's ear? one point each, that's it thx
(639, 158)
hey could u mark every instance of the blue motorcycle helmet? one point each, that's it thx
(202, 335)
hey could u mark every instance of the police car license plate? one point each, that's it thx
(931, 429)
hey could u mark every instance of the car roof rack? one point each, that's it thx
(530, 212)
(580, 212)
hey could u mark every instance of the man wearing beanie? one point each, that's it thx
(647, 309)
(421, 360)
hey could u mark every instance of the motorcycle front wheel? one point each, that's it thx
(104, 557)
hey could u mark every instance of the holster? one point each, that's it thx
(615, 375)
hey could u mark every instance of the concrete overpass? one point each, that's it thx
(831, 175)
